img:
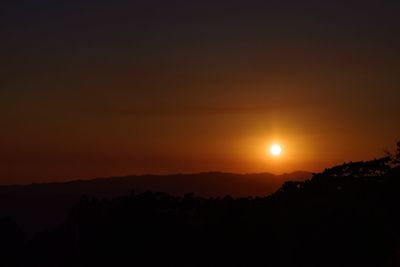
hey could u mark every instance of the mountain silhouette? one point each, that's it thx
(347, 215)
(37, 207)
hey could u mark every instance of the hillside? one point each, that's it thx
(37, 207)
(345, 216)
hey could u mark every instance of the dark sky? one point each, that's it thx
(99, 88)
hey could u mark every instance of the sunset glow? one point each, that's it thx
(191, 86)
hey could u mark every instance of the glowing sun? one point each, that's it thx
(275, 150)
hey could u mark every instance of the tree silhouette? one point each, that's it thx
(347, 215)
(397, 156)
(11, 241)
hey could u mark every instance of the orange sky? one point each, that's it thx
(191, 87)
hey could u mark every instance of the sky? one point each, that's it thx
(105, 88)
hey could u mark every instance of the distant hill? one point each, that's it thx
(37, 207)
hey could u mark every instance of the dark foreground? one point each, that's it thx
(346, 216)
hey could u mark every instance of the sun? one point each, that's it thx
(275, 150)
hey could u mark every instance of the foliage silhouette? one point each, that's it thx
(347, 215)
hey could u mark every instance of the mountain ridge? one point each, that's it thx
(38, 206)
(285, 174)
